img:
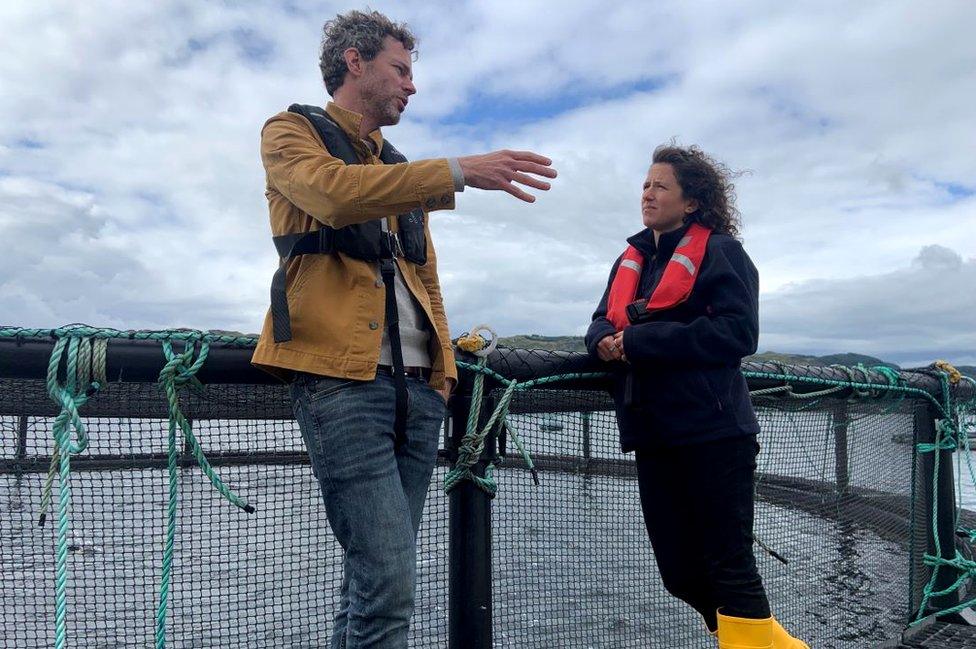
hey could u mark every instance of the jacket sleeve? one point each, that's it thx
(338, 194)
(428, 275)
(729, 332)
(600, 327)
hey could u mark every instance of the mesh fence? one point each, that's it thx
(267, 579)
(572, 566)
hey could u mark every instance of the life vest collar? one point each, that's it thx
(687, 250)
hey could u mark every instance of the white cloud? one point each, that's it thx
(132, 188)
(908, 316)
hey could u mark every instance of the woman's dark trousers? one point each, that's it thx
(698, 509)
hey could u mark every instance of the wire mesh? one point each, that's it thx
(572, 566)
(261, 580)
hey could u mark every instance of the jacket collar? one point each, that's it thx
(349, 121)
(664, 248)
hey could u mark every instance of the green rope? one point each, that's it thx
(90, 361)
(525, 454)
(85, 351)
(473, 442)
(179, 371)
(779, 388)
(946, 439)
(70, 396)
(853, 385)
(966, 414)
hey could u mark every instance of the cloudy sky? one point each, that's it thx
(131, 189)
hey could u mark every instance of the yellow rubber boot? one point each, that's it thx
(783, 640)
(744, 633)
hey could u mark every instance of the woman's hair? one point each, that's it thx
(707, 181)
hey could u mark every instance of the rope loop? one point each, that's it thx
(473, 343)
(78, 386)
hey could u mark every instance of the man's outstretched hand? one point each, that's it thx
(502, 169)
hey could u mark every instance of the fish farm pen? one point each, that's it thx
(155, 491)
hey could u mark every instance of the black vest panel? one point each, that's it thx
(366, 240)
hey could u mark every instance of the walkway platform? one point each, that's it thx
(938, 635)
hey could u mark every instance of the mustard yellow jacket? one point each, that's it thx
(336, 302)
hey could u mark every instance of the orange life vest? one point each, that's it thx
(675, 285)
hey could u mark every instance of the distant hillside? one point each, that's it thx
(575, 344)
(848, 359)
(532, 341)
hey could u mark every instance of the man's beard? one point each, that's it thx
(384, 108)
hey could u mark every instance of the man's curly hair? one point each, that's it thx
(707, 181)
(364, 32)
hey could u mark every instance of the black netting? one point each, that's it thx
(838, 498)
(239, 580)
(573, 566)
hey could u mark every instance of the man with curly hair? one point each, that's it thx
(357, 323)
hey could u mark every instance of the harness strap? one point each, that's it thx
(388, 273)
(323, 240)
(288, 246)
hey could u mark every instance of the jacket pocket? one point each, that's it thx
(718, 386)
(682, 400)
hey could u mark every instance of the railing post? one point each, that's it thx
(841, 455)
(469, 589)
(936, 490)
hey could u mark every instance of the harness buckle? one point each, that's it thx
(396, 248)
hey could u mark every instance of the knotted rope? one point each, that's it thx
(180, 370)
(473, 443)
(70, 396)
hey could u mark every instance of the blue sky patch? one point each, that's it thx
(28, 143)
(253, 46)
(789, 107)
(953, 191)
(489, 110)
(957, 190)
(248, 44)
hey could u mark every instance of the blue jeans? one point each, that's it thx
(374, 495)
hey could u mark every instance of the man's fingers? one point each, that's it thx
(531, 157)
(518, 193)
(537, 169)
(531, 182)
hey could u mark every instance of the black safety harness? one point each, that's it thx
(366, 241)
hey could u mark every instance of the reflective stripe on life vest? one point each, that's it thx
(676, 283)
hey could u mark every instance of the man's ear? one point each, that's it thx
(354, 61)
(691, 207)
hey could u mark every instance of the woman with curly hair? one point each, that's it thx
(679, 314)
